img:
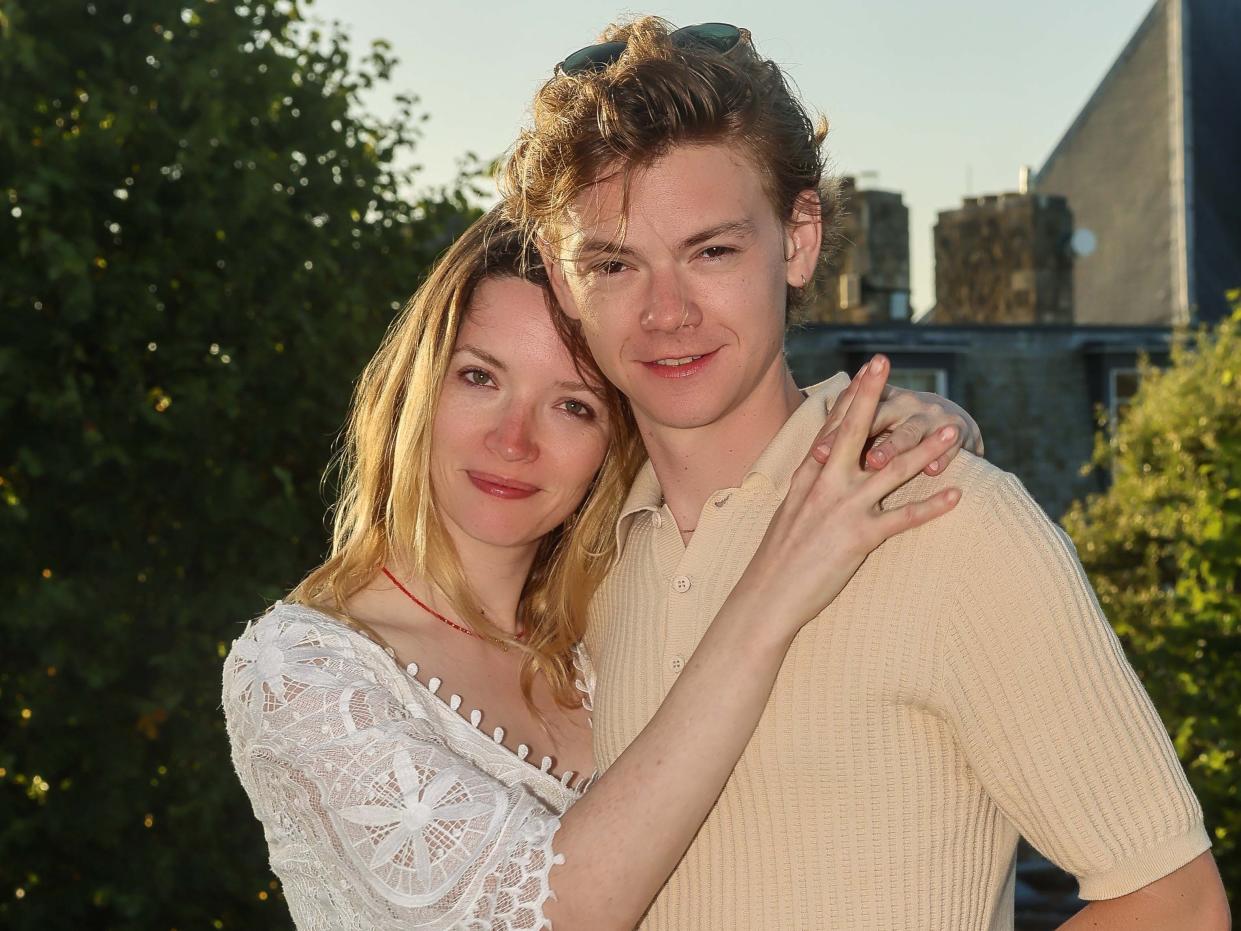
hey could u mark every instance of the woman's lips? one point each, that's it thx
(499, 487)
(683, 367)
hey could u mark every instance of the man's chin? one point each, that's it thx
(678, 416)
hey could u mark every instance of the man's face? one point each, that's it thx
(685, 311)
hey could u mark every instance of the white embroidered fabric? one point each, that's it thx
(382, 806)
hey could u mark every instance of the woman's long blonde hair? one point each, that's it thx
(386, 513)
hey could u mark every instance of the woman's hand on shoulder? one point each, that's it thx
(902, 420)
(831, 519)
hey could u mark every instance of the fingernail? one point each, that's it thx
(876, 365)
(948, 433)
(879, 455)
(825, 450)
(933, 467)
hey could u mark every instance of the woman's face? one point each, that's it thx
(518, 436)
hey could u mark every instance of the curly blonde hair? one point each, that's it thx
(609, 121)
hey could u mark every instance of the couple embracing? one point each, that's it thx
(620, 626)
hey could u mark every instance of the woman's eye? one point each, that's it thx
(477, 377)
(578, 408)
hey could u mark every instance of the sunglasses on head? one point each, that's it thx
(720, 37)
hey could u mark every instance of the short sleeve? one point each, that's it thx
(1053, 719)
(367, 812)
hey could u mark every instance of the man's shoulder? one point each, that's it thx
(995, 509)
(980, 482)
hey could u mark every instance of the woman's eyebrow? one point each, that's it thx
(495, 363)
(484, 356)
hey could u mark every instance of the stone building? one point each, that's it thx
(868, 279)
(1004, 258)
(1036, 391)
(1152, 166)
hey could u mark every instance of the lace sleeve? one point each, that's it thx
(371, 820)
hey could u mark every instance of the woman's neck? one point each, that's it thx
(496, 575)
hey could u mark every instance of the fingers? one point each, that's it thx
(917, 513)
(902, 438)
(911, 416)
(908, 433)
(908, 464)
(855, 428)
(804, 476)
(823, 443)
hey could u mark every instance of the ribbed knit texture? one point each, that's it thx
(963, 690)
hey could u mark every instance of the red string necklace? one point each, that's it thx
(435, 614)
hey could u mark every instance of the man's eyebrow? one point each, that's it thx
(593, 247)
(728, 228)
(484, 355)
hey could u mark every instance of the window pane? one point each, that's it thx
(934, 380)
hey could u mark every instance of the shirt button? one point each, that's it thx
(681, 584)
(722, 500)
(657, 519)
(677, 664)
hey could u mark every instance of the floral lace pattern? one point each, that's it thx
(381, 810)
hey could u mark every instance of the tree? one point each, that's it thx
(1163, 548)
(201, 242)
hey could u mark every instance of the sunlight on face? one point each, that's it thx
(518, 436)
(686, 315)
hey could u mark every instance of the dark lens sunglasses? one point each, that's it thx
(720, 37)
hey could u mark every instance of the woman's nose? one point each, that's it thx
(513, 438)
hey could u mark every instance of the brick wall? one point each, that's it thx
(1004, 258)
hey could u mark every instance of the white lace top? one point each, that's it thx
(383, 806)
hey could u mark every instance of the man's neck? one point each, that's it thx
(693, 464)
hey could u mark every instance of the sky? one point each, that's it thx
(936, 100)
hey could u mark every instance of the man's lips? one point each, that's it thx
(680, 366)
(499, 487)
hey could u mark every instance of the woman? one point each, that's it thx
(412, 725)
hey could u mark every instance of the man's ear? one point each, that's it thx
(803, 238)
(555, 277)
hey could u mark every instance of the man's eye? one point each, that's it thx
(477, 377)
(717, 252)
(609, 268)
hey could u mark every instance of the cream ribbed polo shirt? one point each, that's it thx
(964, 689)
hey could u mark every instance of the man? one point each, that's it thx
(964, 689)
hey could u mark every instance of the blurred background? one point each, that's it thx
(211, 210)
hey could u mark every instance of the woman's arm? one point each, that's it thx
(623, 839)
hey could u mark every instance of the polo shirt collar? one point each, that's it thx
(775, 464)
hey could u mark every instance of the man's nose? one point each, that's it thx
(513, 437)
(669, 305)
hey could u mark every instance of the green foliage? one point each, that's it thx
(201, 241)
(1163, 549)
